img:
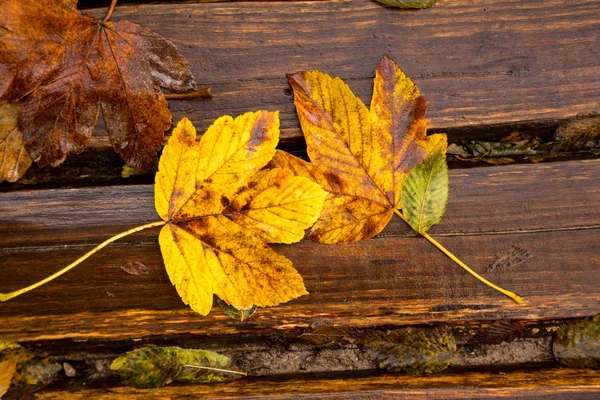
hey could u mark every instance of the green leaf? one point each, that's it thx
(233, 312)
(578, 345)
(32, 371)
(413, 350)
(151, 366)
(408, 4)
(425, 193)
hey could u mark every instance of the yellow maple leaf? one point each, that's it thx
(221, 210)
(7, 370)
(365, 155)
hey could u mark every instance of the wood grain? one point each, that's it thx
(394, 279)
(476, 62)
(551, 384)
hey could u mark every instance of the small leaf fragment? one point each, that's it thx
(582, 134)
(14, 158)
(577, 345)
(135, 268)
(408, 4)
(152, 367)
(498, 332)
(413, 350)
(7, 370)
(234, 313)
(425, 193)
(33, 370)
(511, 257)
(327, 336)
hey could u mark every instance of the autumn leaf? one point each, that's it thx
(32, 371)
(66, 66)
(413, 350)
(425, 193)
(14, 159)
(152, 367)
(221, 210)
(374, 163)
(577, 345)
(581, 134)
(7, 370)
(366, 154)
(234, 313)
(409, 3)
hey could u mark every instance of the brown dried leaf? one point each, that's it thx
(327, 335)
(498, 332)
(14, 159)
(414, 350)
(66, 65)
(580, 134)
(515, 255)
(135, 268)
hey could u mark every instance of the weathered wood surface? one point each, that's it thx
(551, 384)
(394, 279)
(477, 62)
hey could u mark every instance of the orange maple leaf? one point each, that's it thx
(363, 155)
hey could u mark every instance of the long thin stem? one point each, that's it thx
(216, 369)
(518, 299)
(7, 296)
(110, 11)
(197, 94)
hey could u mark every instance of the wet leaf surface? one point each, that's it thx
(360, 156)
(498, 332)
(231, 312)
(152, 367)
(515, 255)
(32, 371)
(577, 345)
(412, 350)
(221, 211)
(14, 159)
(582, 134)
(411, 4)
(135, 268)
(65, 66)
(425, 193)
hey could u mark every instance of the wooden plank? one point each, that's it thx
(550, 384)
(477, 62)
(513, 198)
(395, 279)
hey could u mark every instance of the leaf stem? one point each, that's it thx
(110, 11)
(197, 94)
(215, 369)
(518, 299)
(7, 296)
